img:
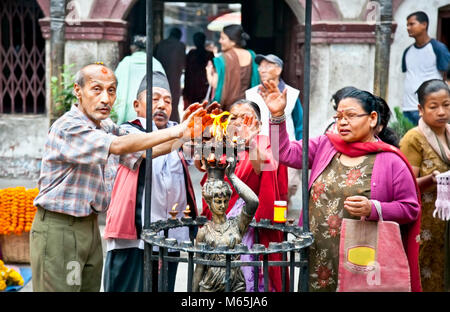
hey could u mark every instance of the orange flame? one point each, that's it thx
(219, 124)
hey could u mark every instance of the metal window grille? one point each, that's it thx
(22, 58)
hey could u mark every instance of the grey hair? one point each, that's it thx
(79, 78)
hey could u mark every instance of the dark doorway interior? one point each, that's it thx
(272, 26)
(443, 34)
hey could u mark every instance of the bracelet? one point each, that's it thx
(277, 120)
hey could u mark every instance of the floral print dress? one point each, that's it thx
(434, 253)
(326, 202)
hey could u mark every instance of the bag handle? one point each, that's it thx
(378, 207)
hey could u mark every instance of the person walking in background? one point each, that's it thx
(195, 82)
(171, 184)
(235, 70)
(349, 171)
(426, 59)
(171, 52)
(427, 148)
(270, 68)
(129, 73)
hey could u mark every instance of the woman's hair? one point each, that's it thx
(340, 94)
(372, 103)
(237, 34)
(253, 105)
(369, 102)
(386, 134)
(431, 86)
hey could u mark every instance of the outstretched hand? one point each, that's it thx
(199, 110)
(189, 126)
(192, 108)
(249, 129)
(273, 97)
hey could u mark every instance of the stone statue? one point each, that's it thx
(222, 231)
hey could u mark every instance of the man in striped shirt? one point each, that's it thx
(65, 244)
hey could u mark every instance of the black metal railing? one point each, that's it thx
(195, 252)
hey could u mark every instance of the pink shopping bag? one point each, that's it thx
(372, 257)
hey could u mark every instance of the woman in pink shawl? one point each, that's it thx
(350, 170)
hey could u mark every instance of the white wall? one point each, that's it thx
(85, 52)
(334, 66)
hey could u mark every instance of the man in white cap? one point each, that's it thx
(270, 67)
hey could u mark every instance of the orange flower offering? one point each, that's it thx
(17, 210)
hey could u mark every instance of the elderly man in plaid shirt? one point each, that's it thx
(65, 244)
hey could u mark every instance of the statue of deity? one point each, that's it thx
(222, 231)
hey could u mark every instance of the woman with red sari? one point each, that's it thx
(350, 170)
(265, 178)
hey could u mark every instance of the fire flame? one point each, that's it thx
(218, 123)
(174, 206)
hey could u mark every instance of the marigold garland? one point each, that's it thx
(17, 210)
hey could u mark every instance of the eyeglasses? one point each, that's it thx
(266, 67)
(349, 117)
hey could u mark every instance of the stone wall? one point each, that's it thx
(23, 140)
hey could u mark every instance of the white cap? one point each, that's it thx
(280, 203)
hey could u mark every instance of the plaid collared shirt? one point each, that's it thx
(72, 179)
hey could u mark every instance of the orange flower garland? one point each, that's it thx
(16, 210)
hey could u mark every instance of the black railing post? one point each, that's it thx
(304, 270)
(149, 126)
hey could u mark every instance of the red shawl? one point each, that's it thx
(409, 231)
